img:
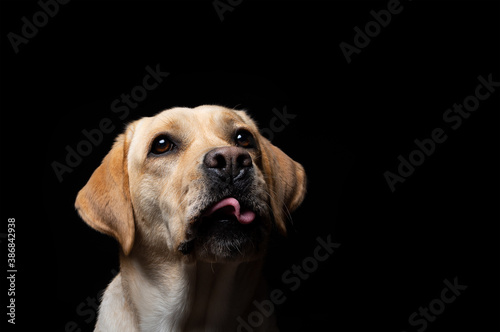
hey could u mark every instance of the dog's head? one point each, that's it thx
(201, 183)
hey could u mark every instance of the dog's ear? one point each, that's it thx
(104, 202)
(286, 180)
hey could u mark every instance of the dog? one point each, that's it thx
(192, 196)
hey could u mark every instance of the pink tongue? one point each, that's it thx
(231, 206)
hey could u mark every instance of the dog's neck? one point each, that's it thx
(173, 295)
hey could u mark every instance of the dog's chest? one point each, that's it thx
(192, 297)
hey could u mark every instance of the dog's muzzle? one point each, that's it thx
(229, 221)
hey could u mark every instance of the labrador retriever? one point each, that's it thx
(191, 195)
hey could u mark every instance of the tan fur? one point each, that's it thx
(148, 204)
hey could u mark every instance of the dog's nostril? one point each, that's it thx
(214, 160)
(219, 161)
(244, 160)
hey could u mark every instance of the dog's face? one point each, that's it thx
(201, 183)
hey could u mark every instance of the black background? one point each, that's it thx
(352, 122)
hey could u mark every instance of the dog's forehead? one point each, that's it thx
(187, 119)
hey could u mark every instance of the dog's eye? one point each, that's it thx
(162, 144)
(244, 139)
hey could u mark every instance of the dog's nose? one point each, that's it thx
(229, 162)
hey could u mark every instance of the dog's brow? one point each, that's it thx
(230, 119)
(240, 118)
(169, 123)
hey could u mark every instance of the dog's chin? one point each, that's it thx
(224, 239)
